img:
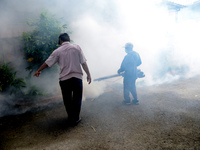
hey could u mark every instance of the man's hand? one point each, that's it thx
(86, 69)
(119, 71)
(37, 73)
(89, 80)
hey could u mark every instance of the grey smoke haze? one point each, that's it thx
(102, 27)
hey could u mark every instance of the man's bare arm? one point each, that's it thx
(86, 69)
(38, 72)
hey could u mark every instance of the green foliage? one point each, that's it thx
(31, 93)
(10, 84)
(32, 90)
(39, 43)
(8, 80)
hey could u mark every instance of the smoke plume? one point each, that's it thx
(167, 40)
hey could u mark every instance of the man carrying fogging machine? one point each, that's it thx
(70, 58)
(130, 73)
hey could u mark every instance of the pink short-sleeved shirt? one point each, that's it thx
(69, 58)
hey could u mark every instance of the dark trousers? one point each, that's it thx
(129, 87)
(72, 90)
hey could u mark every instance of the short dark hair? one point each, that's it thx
(64, 37)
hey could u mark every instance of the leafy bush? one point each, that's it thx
(8, 80)
(10, 84)
(39, 43)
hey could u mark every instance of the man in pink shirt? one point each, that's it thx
(70, 58)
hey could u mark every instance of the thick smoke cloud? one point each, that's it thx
(166, 40)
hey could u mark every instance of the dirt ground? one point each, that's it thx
(168, 117)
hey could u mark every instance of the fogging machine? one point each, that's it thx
(140, 74)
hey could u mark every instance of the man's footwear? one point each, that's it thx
(126, 102)
(135, 102)
(71, 122)
(76, 122)
(79, 120)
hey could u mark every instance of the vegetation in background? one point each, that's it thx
(16, 86)
(8, 80)
(39, 43)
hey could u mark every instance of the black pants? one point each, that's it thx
(72, 90)
(129, 87)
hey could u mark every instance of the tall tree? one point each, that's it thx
(39, 43)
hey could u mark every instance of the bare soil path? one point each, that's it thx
(168, 117)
